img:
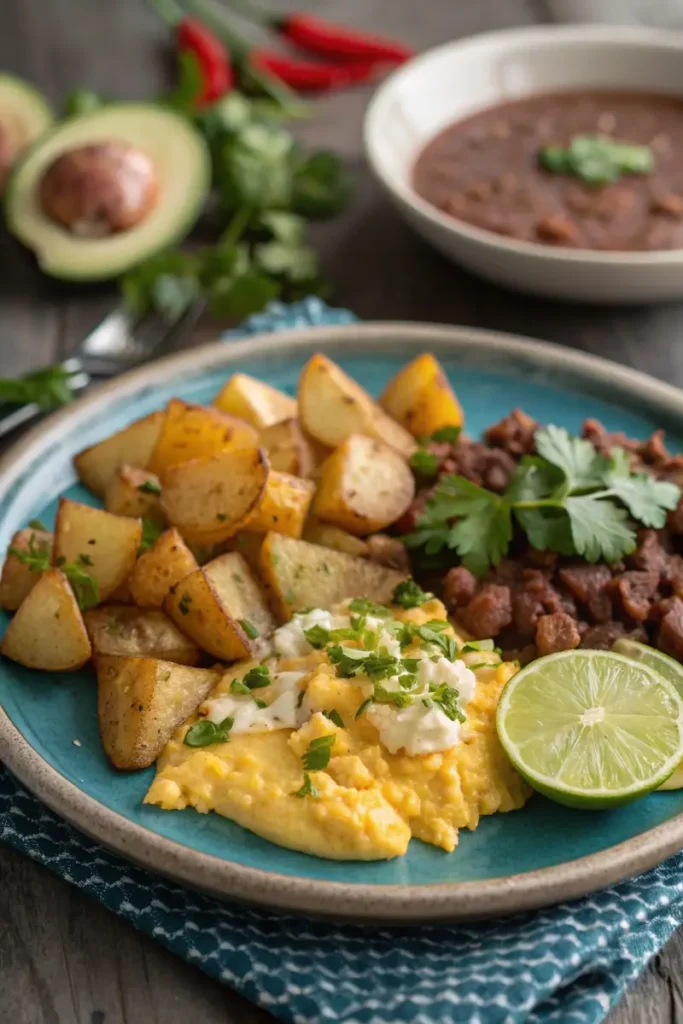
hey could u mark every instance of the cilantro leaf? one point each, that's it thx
(317, 756)
(599, 529)
(547, 529)
(151, 532)
(423, 462)
(448, 435)
(646, 498)
(409, 594)
(335, 717)
(308, 789)
(205, 732)
(582, 466)
(320, 186)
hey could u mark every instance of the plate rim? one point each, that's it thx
(405, 904)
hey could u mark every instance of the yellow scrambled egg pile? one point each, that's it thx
(369, 802)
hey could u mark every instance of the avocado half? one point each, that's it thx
(24, 113)
(183, 167)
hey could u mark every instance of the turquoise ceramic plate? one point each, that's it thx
(542, 854)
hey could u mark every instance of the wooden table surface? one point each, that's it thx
(64, 959)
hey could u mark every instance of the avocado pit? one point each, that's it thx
(100, 189)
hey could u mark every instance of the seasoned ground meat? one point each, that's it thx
(488, 612)
(558, 632)
(535, 602)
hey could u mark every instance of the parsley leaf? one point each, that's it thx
(151, 532)
(317, 636)
(317, 757)
(257, 677)
(335, 717)
(205, 732)
(364, 606)
(410, 594)
(45, 388)
(308, 789)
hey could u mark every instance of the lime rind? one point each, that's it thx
(540, 727)
(652, 658)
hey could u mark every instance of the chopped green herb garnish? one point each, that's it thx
(398, 698)
(308, 789)
(317, 636)
(258, 677)
(447, 435)
(84, 560)
(363, 708)
(300, 698)
(204, 733)
(317, 757)
(37, 524)
(251, 630)
(335, 717)
(447, 699)
(410, 594)
(184, 604)
(365, 606)
(221, 516)
(238, 687)
(260, 703)
(150, 487)
(37, 559)
(423, 462)
(151, 531)
(597, 160)
(478, 645)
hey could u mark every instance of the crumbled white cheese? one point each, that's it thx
(289, 640)
(247, 716)
(416, 729)
(453, 673)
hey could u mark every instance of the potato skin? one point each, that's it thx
(131, 492)
(420, 398)
(109, 543)
(364, 486)
(17, 580)
(254, 401)
(159, 568)
(133, 445)
(283, 506)
(196, 432)
(47, 632)
(289, 450)
(134, 632)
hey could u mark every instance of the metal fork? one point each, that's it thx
(118, 343)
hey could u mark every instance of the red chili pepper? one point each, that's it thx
(308, 76)
(330, 40)
(217, 74)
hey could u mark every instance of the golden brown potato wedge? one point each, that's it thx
(134, 492)
(364, 486)
(253, 401)
(299, 575)
(196, 432)
(47, 631)
(283, 506)
(17, 578)
(329, 536)
(168, 561)
(133, 445)
(105, 545)
(222, 609)
(122, 594)
(421, 399)
(289, 450)
(134, 633)
(249, 546)
(208, 500)
(140, 701)
(332, 406)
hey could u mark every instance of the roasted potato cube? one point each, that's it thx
(134, 633)
(133, 445)
(168, 561)
(364, 486)
(47, 631)
(283, 506)
(253, 401)
(332, 406)
(17, 578)
(299, 575)
(328, 536)
(420, 398)
(104, 544)
(196, 432)
(249, 546)
(289, 450)
(141, 701)
(222, 609)
(122, 594)
(208, 500)
(135, 493)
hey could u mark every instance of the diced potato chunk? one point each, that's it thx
(135, 493)
(329, 536)
(47, 631)
(299, 575)
(134, 633)
(283, 506)
(289, 450)
(141, 701)
(332, 406)
(168, 561)
(364, 486)
(253, 401)
(421, 399)
(222, 609)
(196, 432)
(104, 544)
(208, 500)
(133, 445)
(17, 578)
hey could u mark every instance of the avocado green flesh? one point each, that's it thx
(182, 165)
(24, 113)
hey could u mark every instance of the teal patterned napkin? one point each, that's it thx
(567, 964)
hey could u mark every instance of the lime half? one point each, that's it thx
(667, 667)
(591, 728)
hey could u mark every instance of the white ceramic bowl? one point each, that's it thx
(454, 80)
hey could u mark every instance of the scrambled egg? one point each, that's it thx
(367, 802)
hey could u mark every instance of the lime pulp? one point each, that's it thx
(591, 729)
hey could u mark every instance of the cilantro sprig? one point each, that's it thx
(597, 160)
(568, 498)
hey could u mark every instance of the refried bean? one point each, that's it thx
(485, 170)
